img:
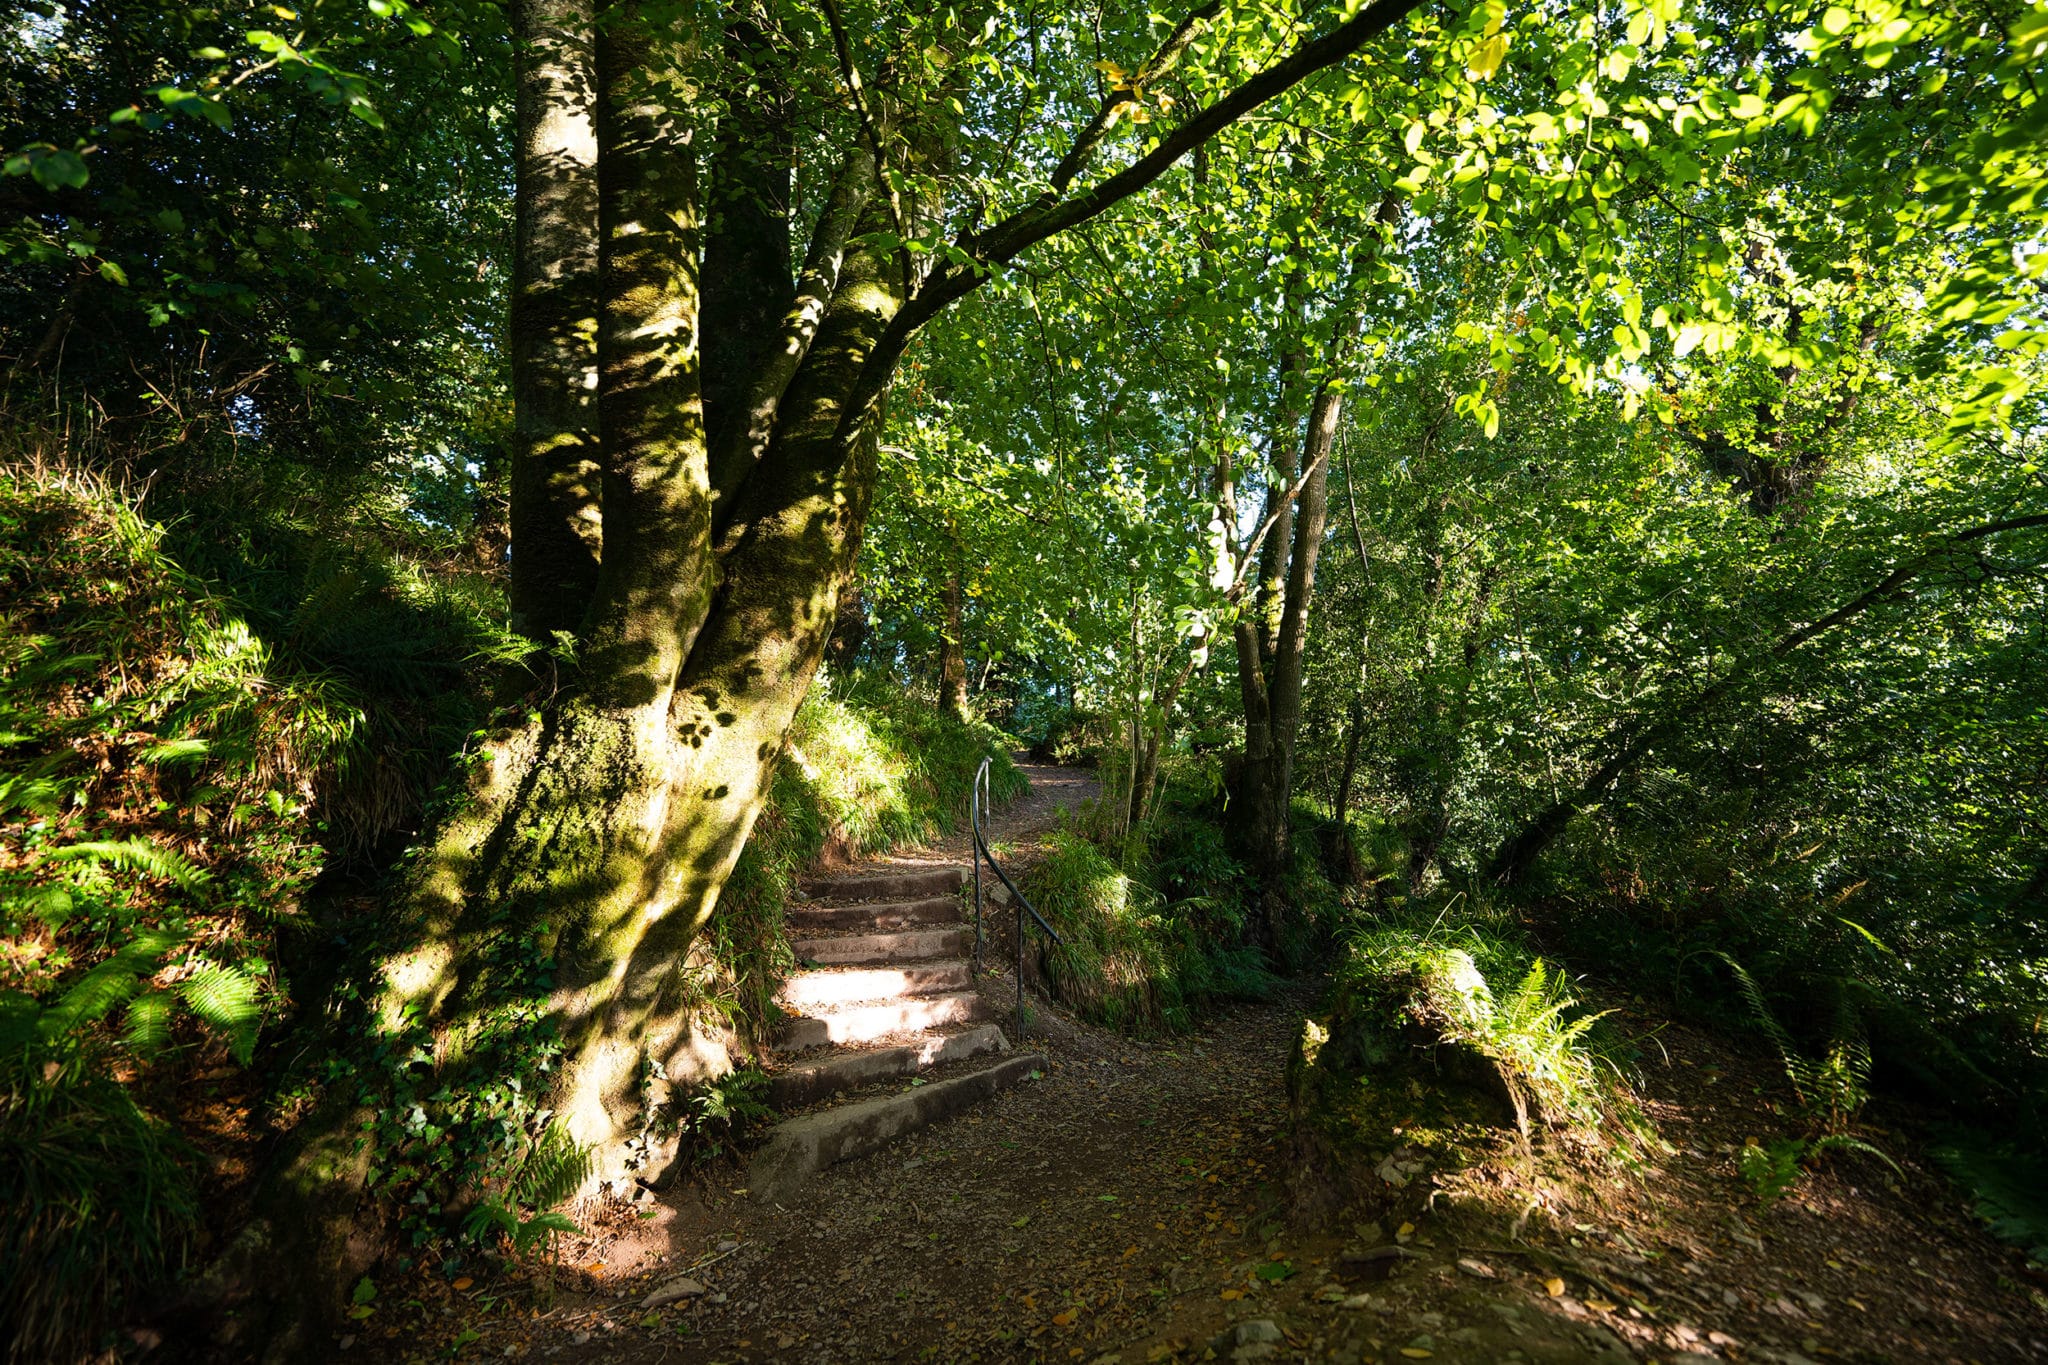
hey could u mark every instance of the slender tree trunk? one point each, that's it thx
(1354, 728)
(1145, 779)
(552, 338)
(952, 653)
(1270, 666)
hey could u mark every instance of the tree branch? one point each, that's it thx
(1027, 227)
(1086, 141)
(1517, 854)
(744, 441)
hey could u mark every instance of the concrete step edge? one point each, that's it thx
(882, 949)
(800, 1085)
(808, 989)
(869, 1020)
(882, 885)
(796, 1151)
(879, 914)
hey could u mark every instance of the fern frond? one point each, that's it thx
(149, 1022)
(487, 1217)
(1843, 1142)
(172, 751)
(50, 904)
(137, 855)
(538, 1226)
(37, 795)
(90, 997)
(553, 1170)
(1760, 1012)
(229, 999)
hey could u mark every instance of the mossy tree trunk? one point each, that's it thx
(552, 337)
(734, 476)
(953, 649)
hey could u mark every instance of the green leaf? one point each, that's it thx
(60, 170)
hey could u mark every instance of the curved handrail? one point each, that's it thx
(977, 817)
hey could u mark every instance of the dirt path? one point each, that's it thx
(1129, 1205)
(1054, 789)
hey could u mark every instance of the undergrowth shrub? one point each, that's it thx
(1154, 930)
(96, 1201)
(1468, 975)
(2007, 1177)
(177, 768)
(1121, 960)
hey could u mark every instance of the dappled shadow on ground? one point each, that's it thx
(1132, 1202)
(1132, 1205)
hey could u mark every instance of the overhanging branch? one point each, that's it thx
(1050, 214)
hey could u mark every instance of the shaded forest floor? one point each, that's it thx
(1135, 1205)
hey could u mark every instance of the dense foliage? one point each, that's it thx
(1581, 464)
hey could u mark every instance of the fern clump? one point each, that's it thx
(2008, 1185)
(1832, 1089)
(159, 772)
(1468, 983)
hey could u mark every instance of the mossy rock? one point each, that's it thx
(1383, 1090)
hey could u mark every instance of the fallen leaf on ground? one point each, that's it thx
(1554, 1287)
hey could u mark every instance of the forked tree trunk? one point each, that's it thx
(1272, 638)
(601, 831)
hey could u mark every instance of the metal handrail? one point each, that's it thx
(977, 818)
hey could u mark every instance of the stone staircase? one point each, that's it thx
(885, 994)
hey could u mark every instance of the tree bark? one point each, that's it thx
(551, 339)
(1270, 675)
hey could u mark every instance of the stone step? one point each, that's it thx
(914, 945)
(796, 1086)
(883, 1019)
(830, 986)
(800, 1148)
(880, 915)
(895, 883)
